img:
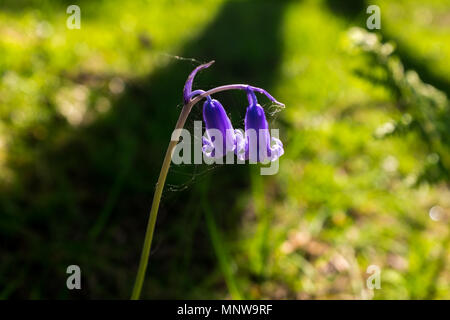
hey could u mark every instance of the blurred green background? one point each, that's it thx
(86, 116)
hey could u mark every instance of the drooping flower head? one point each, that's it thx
(220, 138)
(256, 144)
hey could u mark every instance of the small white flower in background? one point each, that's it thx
(71, 102)
(44, 29)
(390, 164)
(116, 85)
(385, 129)
(436, 213)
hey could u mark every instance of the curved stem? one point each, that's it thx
(194, 93)
(155, 204)
(234, 87)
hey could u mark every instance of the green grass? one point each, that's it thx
(85, 116)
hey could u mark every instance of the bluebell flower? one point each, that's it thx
(255, 144)
(220, 137)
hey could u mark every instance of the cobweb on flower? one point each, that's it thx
(181, 177)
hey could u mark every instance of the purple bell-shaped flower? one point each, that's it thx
(220, 136)
(255, 144)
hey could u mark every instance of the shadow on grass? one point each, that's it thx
(85, 197)
(349, 9)
(354, 11)
(420, 65)
(42, 5)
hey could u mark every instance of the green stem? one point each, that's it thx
(155, 204)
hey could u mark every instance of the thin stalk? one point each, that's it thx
(155, 205)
